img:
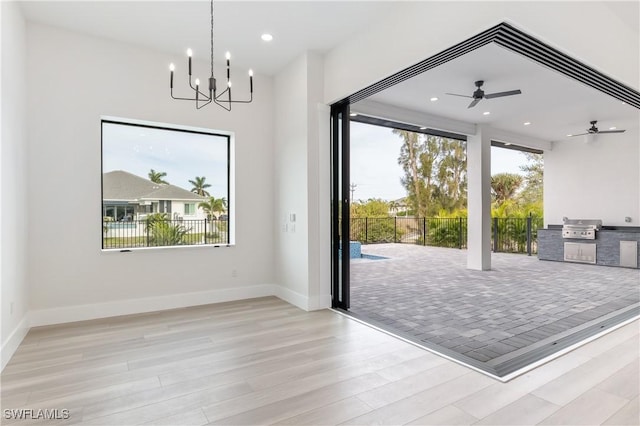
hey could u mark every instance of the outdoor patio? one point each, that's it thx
(427, 295)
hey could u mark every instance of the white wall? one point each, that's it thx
(299, 89)
(73, 80)
(604, 172)
(13, 176)
(418, 30)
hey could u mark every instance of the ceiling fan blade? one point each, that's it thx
(501, 94)
(611, 131)
(474, 103)
(582, 134)
(462, 96)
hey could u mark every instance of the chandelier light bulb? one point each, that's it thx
(197, 82)
(250, 73)
(172, 67)
(229, 84)
(189, 52)
(228, 55)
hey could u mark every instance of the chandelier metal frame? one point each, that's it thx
(222, 99)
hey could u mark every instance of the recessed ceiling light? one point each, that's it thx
(527, 123)
(266, 37)
(353, 114)
(486, 113)
(569, 135)
(433, 99)
(612, 128)
(624, 103)
(423, 128)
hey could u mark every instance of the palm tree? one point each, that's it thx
(199, 186)
(213, 205)
(393, 207)
(505, 186)
(156, 177)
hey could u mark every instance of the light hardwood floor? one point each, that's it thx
(263, 361)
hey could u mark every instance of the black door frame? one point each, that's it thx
(340, 205)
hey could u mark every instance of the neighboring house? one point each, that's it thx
(397, 206)
(127, 197)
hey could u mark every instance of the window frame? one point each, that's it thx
(230, 147)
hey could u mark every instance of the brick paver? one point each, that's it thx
(428, 293)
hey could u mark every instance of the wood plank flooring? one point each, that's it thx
(263, 361)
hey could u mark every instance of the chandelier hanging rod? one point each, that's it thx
(222, 99)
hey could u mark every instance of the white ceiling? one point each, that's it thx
(555, 105)
(174, 26)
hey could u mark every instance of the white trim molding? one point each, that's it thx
(148, 304)
(10, 345)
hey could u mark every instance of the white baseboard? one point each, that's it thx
(320, 302)
(292, 297)
(148, 304)
(12, 342)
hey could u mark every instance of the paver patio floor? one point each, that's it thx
(427, 293)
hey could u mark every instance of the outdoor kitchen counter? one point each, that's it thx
(551, 243)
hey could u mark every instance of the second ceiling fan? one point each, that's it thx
(479, 94)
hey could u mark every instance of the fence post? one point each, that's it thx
(495, 235)
(147, 226)
(460, 233)
(366, 229)
(395, 229)
(205, 230)
(529, 235)
(424, 231)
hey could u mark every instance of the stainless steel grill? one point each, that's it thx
(583, 229)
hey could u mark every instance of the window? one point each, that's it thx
(164, 185)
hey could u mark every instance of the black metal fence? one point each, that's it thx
(166, 232)
(511, 235)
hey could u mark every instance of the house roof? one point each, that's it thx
(124, 186)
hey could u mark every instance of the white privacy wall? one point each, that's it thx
(73, 80)
(302, 209)
(594, 178)
(13, 177)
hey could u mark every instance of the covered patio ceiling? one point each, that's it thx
(553, 104)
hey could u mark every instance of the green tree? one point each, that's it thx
(373, 207)
(199, 186)
(435, 172)
(504, 186)
(214, 205)
(157, 177)
(533, 179)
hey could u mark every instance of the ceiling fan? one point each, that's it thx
(479, 94)
(593, 130)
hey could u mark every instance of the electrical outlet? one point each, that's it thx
(234, 273)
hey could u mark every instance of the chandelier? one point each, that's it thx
(204, 98)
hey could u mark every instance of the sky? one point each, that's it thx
(374, 162)
(181, 155)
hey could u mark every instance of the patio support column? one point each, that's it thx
(479, 199)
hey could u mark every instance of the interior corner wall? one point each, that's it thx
(299, 89)
(418, 30)
(14, 203)
(598, 181)
(75, 79)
